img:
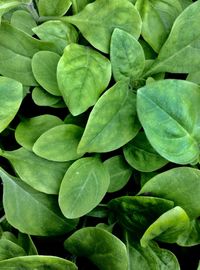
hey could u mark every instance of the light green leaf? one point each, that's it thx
(119, 172)
(53, 7)
(142, 156)
(11, 96)
(37, 262)
(24, 21)
(157, 20)
(104, 249)
(168, 227)
(171, 118)
(8, 250)
(42, 98)
(5, 7)
(59, 143)
(194, 77)
(183, 192)
(127, 56)
(78, 5)
(102, 17)
(92, 72)
(30, 129)
(44, 66)
(39, 173)
(83, 187)
(58, 32)
(191, 236)
(42, 217)
(180, 52)
(115, 111)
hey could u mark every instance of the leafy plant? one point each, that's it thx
(99, 134)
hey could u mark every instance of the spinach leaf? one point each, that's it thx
(24, 21)
(5, 7)
(8, 250)
(53, 7)
(191, 236)
(42, 98)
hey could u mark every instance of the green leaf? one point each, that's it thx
(119, 172)
(42, 217)
(39, 173)
(182, 192)
(83, 187)
(191, 236)
(24, 21)
(59, 143)
(30, 129)
(5, 7)
(53, 7)
(25, 241)
(92, 72)
(167, 228)
(157, 20)
(8, 250)
(102, 17)
(127, 56)
(37, 262)
(11, 96)
(78, 5)
(150, 258)
(58, 32)
(177, 112)
(44, 66)
(42, 98)
(141, 155)
(104, 249)
(114, 111)
(180, 52)
(137, 213)
(194, 77)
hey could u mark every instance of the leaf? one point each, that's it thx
(127, 56)
(177, 112)
(41, 174)
(180, 52)
(191, 236)
(25, 241)
(37, 262)
(83, 187)
(157, 18)
(59, 143)
(58, 32)
(30, 129)
(42, 98)
(93, 73)
(150, 258)
(137, 213)
(119, 171)
(5, 7)
(43, 211)
(114, 111)
(167, 228)
(142, 156)
(104, 249)
(8, 250)
(11, 96)
(78, 5)
(162, 186)
(53, 7)
(194, 77)
(24, 21)
(44, 66)
(102, 17)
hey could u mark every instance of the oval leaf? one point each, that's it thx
(8, 250)
(42, 98)
(92, 72)
(83, 187)
(104, 249)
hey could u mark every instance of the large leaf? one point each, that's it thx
(180, 53)
(37, 262)
(127, 56)
(115, 111)
(98, 20)
(53, 7)
(39, 173)
(101, 247)
(31, 211)
(83, 187)
(171, 118)
(92, 72)
(59, 143)
(44, 66)
(142, 156)
(30, 129)
(11, 95)
(168, 227)
(183, 190)
(8, 250)
(157, 19)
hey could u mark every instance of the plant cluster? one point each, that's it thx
(99, 133)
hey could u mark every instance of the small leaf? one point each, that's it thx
(92, 72)
(83, 187)
(104, 249)
(5, 7)
(53, 7)
(25, 241)
(42, 98)
(9, 250)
